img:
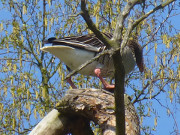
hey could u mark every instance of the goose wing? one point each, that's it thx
(88, 42)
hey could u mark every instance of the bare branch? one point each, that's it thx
(76, 15)
(117, 36)
(170, 112)
(127, 34)
(57, 67)
(92, 26)
(161, 6)
(119, 93)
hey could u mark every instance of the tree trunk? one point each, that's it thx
(80, 106)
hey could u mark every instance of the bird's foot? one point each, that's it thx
(107, 86)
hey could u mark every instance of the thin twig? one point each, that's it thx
(176, 125)
(110, 52)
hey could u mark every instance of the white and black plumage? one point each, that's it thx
(76, 50)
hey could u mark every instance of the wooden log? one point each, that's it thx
(80, 106)
(51, 124)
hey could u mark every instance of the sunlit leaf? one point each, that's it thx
(28, 94)
(155, 59)
(35, 114)
(168, 111)
(175, 87)
(18, 114)
(37, 49)
(44, 92)
(49, 2)
(164, 60)
(1, 107)
(5, 90)
(41, 113)
(141, 120)
(177, 57)
(30, 82)
(14, 123)
(12, 80)
(19, 91)
(172, 86)
(29, 107)
(168, 43)
(162, 74)
(14, 103)
(150, 94)
(20, 58)
(146, 47)
(164, 38)
(37, 94)
(171, 73)
(1, 26)
(45, 22)
(149, 110)
(155, 121)
(22, 38)
(14, 68)
(24, 9)
(171, 96)
(155, 47)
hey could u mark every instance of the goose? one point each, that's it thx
(76, 50)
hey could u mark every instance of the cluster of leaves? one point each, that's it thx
(32, 81)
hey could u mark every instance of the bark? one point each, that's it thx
(119, 94)
(51, 124)
(80, 106)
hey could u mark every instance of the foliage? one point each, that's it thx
(32, 81)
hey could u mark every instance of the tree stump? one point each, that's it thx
(80, 106)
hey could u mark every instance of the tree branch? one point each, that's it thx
(44, 28)
(127, 34)
(117, 36)
(119, 93)
(92, 26)
(119, 67)
(161, 6)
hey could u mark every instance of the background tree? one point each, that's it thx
(32, 81)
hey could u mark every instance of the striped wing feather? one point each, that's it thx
(89, 42)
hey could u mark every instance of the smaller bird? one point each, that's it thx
(76, 50)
